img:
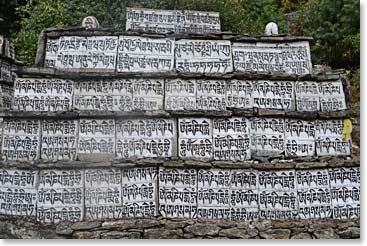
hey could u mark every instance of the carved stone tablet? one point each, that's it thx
(59, 139)
(315, 212)
(312, 179)
(5, 71)
(350, 176)
(299, 137)
(96, 139)
(104, 95)
(241, 179)
(139, 192)
(231, 137)
(146, 138)
(148, 94)
(244, 214)
(31, 94)
(195, 138)
(87, 53)
(214, 178)
(293, 58)
(277, 180)
(267, 136)
(240, 94)
(140, 54)
(211, 95)
(347, 211)
(332, 97)
(6, 96)
(18, 193)
(180, 94)
(52, 48)
(103, 198)
(21, 139)
(274, 95)
(307, 96)
(203, 56)
(214, 213)
(165, 21)
(60, 196)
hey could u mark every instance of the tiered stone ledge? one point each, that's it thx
(77, 74)
(258, 163)
(162, 228)
(169, 114)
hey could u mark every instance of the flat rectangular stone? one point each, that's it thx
(140, 209)
(244, 198)
(179, 178)
(332, 146)
(139, 192)
(274, 95)
(86, 53)
(241, 179)
(244, 214)
(271, 214)
(314, 197)
(98, 212)
(18, 201)
(110, 177)
(180, 195)
(195, 128)
(347, 211)
(283, 180)
(58, 214)
(240, 94)
(344, 176)
(278, 200)
(345, 195)
(299, 147)
(214, 178)
(99, 196)
(51, 95)
(141, 54)
(213, 197)
(312, 179)
(139, 175)
(213, 213)
(16, 178)
(60, 197)
(59, 139)
(177, 21)
(315, 212)
(59, 179)
(21, 140)
(203, 56)
(178, 211)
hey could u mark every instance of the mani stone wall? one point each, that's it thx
(139, 135)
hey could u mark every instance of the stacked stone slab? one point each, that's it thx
(113, 125)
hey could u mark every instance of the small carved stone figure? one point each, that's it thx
(90, 22)
(271, 29)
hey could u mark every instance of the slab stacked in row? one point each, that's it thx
(198, 138)
(124, 95)
(239, 195)
(143, 54)
(7, 58)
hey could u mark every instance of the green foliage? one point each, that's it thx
(335, 26)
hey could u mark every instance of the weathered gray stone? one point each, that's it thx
(238, 233)
(202, 229)
(262, 225)
(276, 234)
(325, 233)
(307, 165)
(287, 224)
(302, 235)
(120, 235)
(351, 232)
(170, 225)
(85, 225)
(163, 233)
(129, 224)
(345, 225)
(64, 228)
(87, 234)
